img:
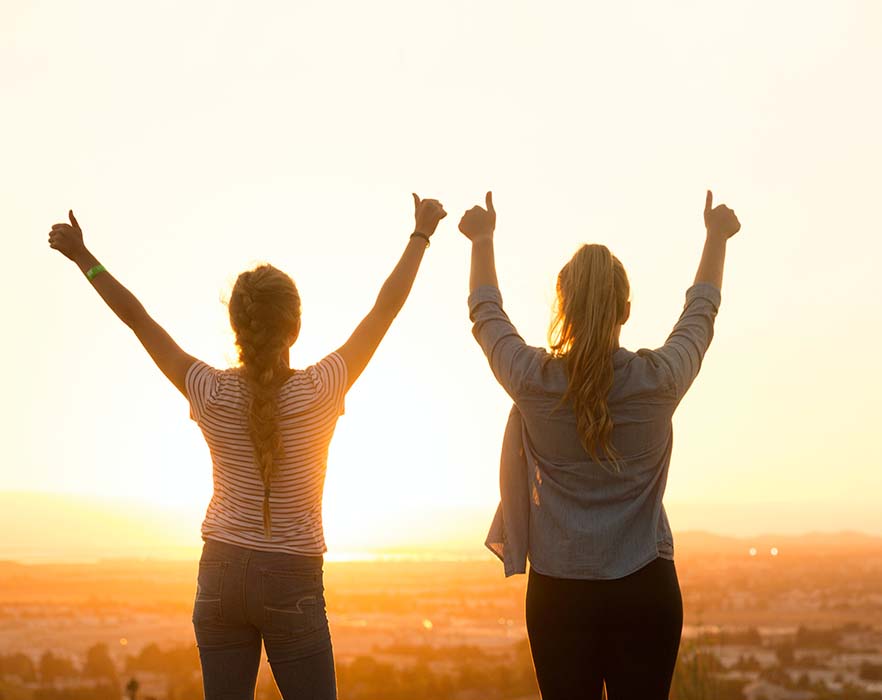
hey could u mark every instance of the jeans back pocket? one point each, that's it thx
(208, 605)
(293, 602)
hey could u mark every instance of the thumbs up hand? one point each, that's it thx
(67, 238)
(479, 222)
(427, 213)
(720, 220)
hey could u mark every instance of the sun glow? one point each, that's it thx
(188, 165)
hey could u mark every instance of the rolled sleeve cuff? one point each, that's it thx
(704, 290)
(483, 295)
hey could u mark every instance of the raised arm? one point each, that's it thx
(721, 224)
(513, 361)
(358, 350)
(688, 342)
(168, 356)
(478, 225)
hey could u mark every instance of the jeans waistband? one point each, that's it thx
(232, 552)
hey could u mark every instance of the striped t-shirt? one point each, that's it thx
(310, 401)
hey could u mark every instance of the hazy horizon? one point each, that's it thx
(59, 528)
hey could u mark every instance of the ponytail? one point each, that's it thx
(592, 295)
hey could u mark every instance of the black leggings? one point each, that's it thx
(623, 632)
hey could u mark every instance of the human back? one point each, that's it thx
(267, 426)
(600, 514)
(307, 404)
(590, 392)
(638, 407)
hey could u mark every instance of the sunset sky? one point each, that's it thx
(195, 139)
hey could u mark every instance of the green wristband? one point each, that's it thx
(93, 272)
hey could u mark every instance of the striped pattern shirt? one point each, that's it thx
(310, 401)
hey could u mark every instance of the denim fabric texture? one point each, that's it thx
(572, 516)
(247, 598)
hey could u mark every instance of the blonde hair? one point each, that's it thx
(592, 298)
(265, 316)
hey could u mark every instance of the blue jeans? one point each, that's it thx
(245, 597)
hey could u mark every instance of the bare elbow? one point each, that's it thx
(386, 308)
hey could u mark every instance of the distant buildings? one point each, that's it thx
(762, 690)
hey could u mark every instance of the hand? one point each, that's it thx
(720, 220)
(479, 223)
(427, 213)
(67, 238)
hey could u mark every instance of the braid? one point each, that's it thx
(265, 315)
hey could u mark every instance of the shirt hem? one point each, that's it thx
(279, 549)
(657, 555)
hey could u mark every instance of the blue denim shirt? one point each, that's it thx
(575, 517)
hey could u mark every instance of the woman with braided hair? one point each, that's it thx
(268, 428)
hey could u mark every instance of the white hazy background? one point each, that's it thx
(195, 139)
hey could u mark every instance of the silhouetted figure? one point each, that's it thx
(268, 428)
(584, 464)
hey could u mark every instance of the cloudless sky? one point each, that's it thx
(196, 139)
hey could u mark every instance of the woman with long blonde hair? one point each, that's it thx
(268, 428)
(584, 465)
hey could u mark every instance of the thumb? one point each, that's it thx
(73, 220)
(709, 202)
(489, 201)
(416, 202)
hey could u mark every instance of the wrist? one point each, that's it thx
(83, 258)
(421, 238)
(716, 237)
(482, 240)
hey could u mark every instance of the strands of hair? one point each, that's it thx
(592, 296)
(265, 316)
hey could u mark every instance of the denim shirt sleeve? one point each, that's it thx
(685, 347)
(514, 363)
